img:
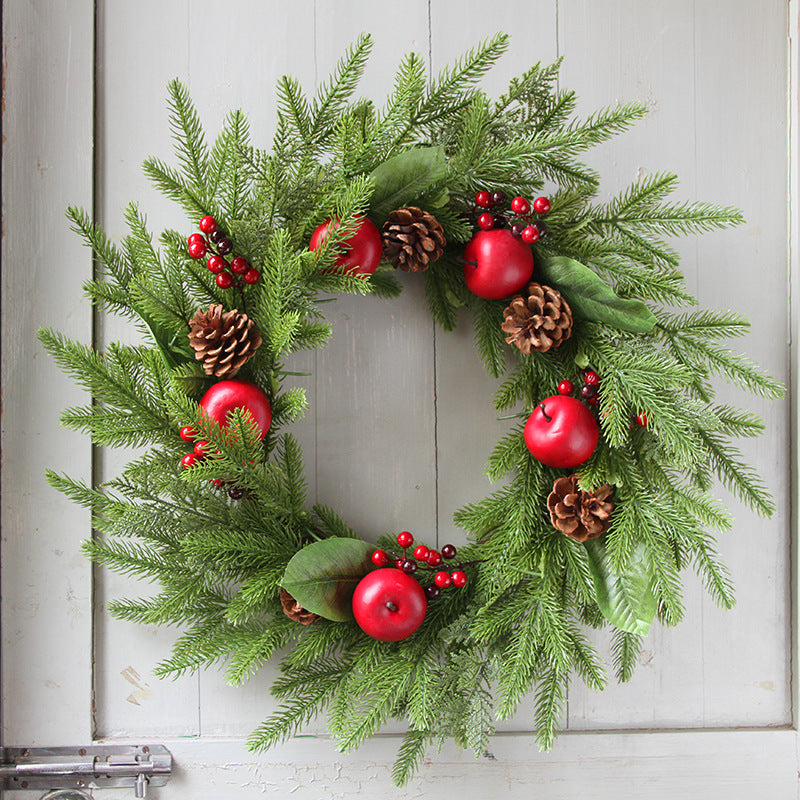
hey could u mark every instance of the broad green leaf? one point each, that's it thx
(626, 599)
(323, 575)
(403, 178)
(591, 298)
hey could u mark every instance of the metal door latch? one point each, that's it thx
(91, 767)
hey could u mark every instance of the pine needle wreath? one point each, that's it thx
(226, 529)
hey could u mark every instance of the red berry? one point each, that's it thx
(589, 391)
(208, 224)
(483, 199)
(530, 234)
(187, 433)
(432, 592)
(592, 401)
(591, 379)
(189, 460)
(519, 205)
(517, 228)
(216, 264)
(379, 558)
(448, 551)
(459, 578)
(434, 559)
(405, 539)
(541, 205)
(201, 448)
(224, 246)
(216, 482)
(486, 221)
(442, 579)
(197, 249)
(224, 280)
(421, 552)
(566, 388)
(641, 419)
(239, 266)
(196, 237)
(399, 563)
(499, 198)
(251, 276)
(409, 566)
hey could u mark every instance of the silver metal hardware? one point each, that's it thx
(66, 794)
(82, 768)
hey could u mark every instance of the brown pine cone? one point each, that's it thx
(412, 239)
(578, 514)
(223, 341)
(295, 611)
(539, 321)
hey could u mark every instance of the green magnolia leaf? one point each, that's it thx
(592, 299)
(323, 575)
(626, 599)
(403, 178)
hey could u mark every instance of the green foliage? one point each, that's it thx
(518, 627)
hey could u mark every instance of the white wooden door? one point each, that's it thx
(711, 712)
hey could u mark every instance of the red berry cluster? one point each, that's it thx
(426, 560)
(589, 390)
(236, 271)
(189, 434)
(519, 216)
(200, 451)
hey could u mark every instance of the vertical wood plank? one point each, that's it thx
(135, 63)
(468, 427)
(258, 48)
(375, 434)
(467, 423)
(647, 56)
(47, 164)
(741, 87)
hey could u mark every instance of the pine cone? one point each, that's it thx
(539, 321)
(578, 514)
(412, 239)
(223, 342)
(295, 611)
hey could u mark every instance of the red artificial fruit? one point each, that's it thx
(561, 432)
(225, 396)
(389, 605)
(496, 264)
(362, 252)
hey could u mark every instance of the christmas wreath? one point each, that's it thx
(614, 437)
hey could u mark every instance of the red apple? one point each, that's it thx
(361, 253)
(389, 605)
(225, 396)
(496, 264)
(561, 432)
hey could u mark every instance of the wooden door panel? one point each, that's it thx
(401, 419)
